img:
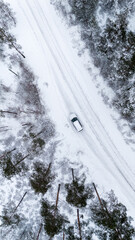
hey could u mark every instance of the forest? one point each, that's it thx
(37, 202)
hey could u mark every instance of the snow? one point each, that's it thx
(101, 17)
(66, 86)
(131, 24)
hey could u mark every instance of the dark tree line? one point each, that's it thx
(108, 215)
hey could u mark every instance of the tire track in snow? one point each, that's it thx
(63, 93)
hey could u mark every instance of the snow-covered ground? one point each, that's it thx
(66, 86)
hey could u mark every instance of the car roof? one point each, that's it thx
(78, 126)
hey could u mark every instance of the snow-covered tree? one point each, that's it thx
(12, 164)
(111, 219)
(78, 193)
(53, 220)
(41, 178)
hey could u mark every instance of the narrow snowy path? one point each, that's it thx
(70, 89)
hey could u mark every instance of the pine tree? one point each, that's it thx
(53, 220)
(78, 193)
(12, 164)
(41, 178)
(71, 234)
(112, 219)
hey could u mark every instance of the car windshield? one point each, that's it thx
(74, 119)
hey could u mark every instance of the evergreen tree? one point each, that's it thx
(41, 178)
(10, 164)
(7, 20)
(53, 220)
(71, 234)
(83, 11)
(78, 193)
(112, 219)
(9, 219)
(72, 231)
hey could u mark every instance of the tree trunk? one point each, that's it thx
(73, 174)
(98, 196)
(39, 231)
(57, 199)
(38, 134)
(12, 43)
(79, 225)
(18, 204)
(26, 124)
(48, 169)
(7, 153)
(13, 72)
(21, 160)
(2, 111)
(18, 50)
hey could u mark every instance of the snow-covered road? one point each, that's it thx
(66, 87)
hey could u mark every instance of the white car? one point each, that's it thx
(76, 123)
